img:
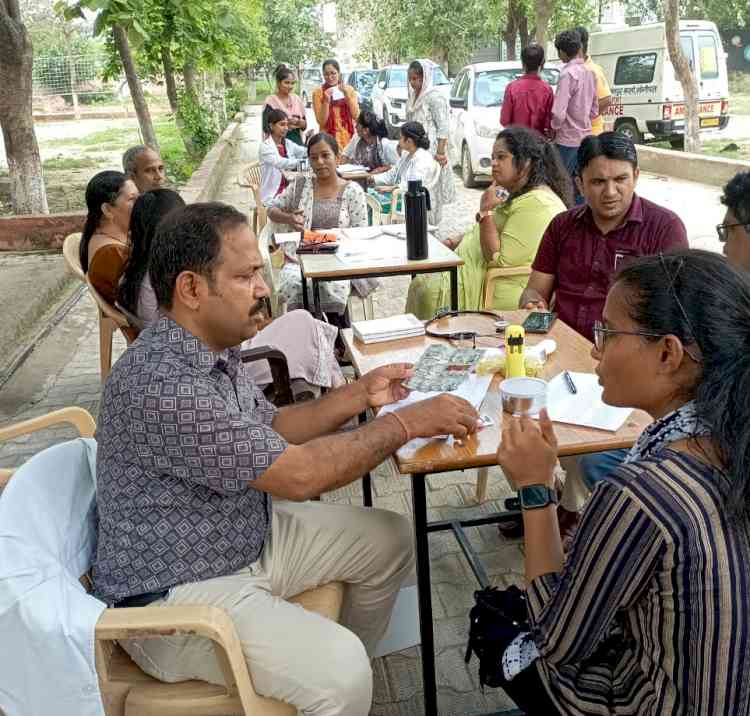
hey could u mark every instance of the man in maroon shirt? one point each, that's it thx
(528, 100)
(583, 247)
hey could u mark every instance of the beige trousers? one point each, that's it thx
(294, 655)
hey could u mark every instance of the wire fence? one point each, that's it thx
(72, 79)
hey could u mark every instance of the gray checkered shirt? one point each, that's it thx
(182, 433)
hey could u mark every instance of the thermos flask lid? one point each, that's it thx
(414, 185)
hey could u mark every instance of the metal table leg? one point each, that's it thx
(305, 299)
(366, 480)
(425, 595)
(454, 288)
(316, 298)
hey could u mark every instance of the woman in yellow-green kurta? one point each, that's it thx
(539, 188)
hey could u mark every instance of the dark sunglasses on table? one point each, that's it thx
(722, 229)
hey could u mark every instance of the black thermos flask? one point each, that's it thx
(417, 200)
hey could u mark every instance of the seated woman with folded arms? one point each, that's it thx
(370, 147)
(507, 231)
(323, 201)
(104, 247)
(277, 155)
(307, 344)
(647, 614)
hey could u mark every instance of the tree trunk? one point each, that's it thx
(28, 195)
(523, 30)
(228, 79)
(684, 74)
(188, 74)
(166, 61)
(511, 30)
(136, 91)
(542, 15)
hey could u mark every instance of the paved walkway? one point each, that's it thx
(63, 370)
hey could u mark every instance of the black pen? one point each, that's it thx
(569, 382)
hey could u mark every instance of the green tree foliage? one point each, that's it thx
(728, 15)
(295, 34)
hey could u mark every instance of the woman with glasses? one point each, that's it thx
(734, 232)
(647, 614)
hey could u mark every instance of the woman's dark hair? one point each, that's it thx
(736, 197)
(332, 63)
(103, 188)
(415, 132)
(271, 116)
(322, 137)
(416, 67)
(282, 72)
(569, 42)
(375, 126)
(611, 145)
(189, 239)
(545, 165)
(703, 300)
(149, 209)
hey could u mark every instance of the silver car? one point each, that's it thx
(312, 78)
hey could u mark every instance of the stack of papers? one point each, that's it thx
(352, 169)
(406, 325)
(585, 407)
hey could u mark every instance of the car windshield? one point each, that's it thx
(397, 78)
(365, 80)
(439, 78)
(489, 87)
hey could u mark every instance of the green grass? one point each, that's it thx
(739, 92)
(262, 89)
(63, 163)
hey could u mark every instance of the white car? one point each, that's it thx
(476, 98)
(391, 90)
(312, 78)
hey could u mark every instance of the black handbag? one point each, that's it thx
(497, 617)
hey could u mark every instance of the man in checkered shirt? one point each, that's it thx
(191, 455)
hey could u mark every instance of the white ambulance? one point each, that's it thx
(648, 102)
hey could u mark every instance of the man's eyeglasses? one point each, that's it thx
(723, 230)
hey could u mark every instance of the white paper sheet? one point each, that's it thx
(352, 168)
(585, 407)
(473, 389)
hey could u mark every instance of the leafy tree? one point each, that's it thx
(118, 18)
(28, 194)
(295, 33)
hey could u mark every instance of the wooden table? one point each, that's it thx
(374, 257)
(573, 353)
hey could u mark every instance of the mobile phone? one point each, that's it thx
(539, 321)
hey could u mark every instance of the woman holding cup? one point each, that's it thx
(647, 612)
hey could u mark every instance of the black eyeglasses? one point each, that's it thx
(722, 230)
(601, 332)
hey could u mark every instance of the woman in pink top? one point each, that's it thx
(287, 102)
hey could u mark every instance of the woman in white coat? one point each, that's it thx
(277, 154)
(416, 162)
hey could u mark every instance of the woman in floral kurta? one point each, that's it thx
(428, 107)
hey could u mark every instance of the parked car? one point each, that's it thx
(312, 78)
(363, 82)
(390, 93)
(476, 96)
